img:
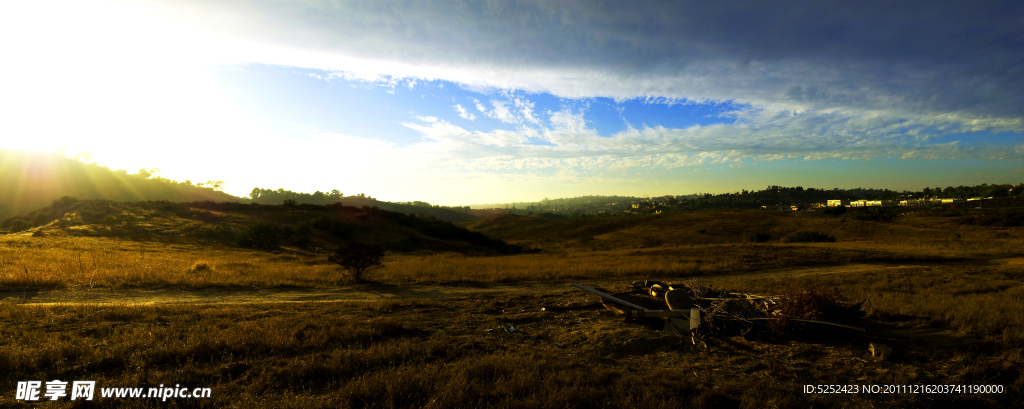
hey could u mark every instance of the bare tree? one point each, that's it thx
(357, 258)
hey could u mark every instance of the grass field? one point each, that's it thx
(925, 273)
(453, 354)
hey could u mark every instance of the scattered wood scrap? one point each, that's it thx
(701, 311)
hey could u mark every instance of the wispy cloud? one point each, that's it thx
(464, 113)
(757, 136)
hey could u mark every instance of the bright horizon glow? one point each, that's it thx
(461, 107)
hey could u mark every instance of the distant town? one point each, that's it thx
(772, 198)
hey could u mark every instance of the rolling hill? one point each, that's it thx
(31, 180)
(300, 227)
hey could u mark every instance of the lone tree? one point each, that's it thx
(357, 258)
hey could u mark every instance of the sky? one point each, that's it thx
(465, 102)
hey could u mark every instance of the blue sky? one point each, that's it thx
(465, 102)
(291, 97)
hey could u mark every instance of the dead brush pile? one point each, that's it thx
(813, 301)
(201, 267)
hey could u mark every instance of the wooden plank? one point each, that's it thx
(813, 321)
(609, 297)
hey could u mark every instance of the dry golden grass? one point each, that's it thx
(64, 261)
(917, 235)
(441, 354)
(984, 300)
(86, 261)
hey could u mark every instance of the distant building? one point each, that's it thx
(838, 202)
(880, 203)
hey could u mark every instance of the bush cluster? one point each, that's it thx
(760, 237)
(331, 225)
(18, 225)
(834, 211)
(261, 236)
(810, 237)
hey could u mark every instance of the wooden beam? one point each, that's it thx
(609, 297)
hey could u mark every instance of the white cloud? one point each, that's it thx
(502, 113)
(480, 107)
(566, 120)
(464, 113)
(510, 110)
(427, 118)
(757, 136)
(525, 108)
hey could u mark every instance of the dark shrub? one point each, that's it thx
(302, 235)
(340, 230)
(812, 301)
(834, 211)
(290, 203)
(64, 202)
(811, 237)
(357, 258)
(760, 237)
(994, 220)
(18, 225)
(321, 223)
(260, 236)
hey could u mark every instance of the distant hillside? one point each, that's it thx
(454, 214)
(618, 206)
(300, 227)
(31, 180)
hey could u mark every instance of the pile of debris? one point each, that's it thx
(697, 310)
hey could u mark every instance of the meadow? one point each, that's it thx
(942, 273)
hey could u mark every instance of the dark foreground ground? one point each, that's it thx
(455, 353)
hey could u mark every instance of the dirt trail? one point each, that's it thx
(372, 292)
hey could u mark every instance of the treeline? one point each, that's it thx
(966, 192)
(287, 197)
(562, 204)
(774, 195)
(610, 206)
(279, 196)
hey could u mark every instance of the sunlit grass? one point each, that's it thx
(83, 261)
(65, 261)
(982, 300)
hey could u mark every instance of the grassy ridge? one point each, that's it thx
(168, 245)
(31, 180)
